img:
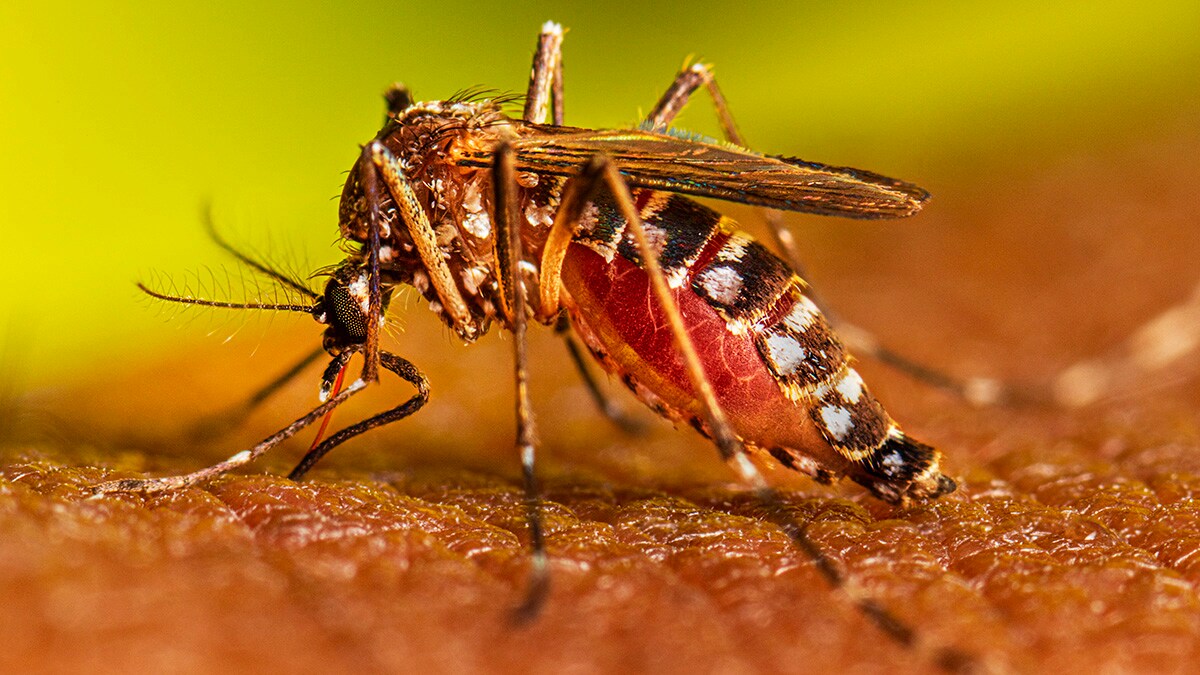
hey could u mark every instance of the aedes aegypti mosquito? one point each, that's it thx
(503, 220)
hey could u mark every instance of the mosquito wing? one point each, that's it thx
(705, 168)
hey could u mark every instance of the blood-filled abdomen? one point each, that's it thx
(779, 372)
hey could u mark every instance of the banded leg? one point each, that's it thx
(396, 364)
(601, 170)
(562, 231)
(576, 194)
(546, 77)
(240, 459)
(1161, 341)
(508, 255)
(978, 391)
(378, 159)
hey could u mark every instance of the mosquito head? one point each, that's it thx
(345, 307)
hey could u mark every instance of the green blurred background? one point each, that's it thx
(117, 120)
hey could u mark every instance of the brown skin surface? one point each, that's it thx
(1072, 543)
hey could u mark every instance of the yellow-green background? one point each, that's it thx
(118, 119)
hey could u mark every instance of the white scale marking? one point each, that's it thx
(851, 386)
(676, 278)
(476, 220)
(803, 314)
(654, 205)
(539, 216)
(722, 284)
(891, 463)
(478, 224)
(837, 421)
(361, 293)
(655, 236)
(787, 354)
(472, 277)
(472, 199)
(420, 281)
(735, 248)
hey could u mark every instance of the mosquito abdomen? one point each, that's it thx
(777, 368)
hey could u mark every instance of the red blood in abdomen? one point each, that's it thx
(612, 305)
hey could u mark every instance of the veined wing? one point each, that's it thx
(663, 161)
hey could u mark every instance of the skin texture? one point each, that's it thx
(1070, 545)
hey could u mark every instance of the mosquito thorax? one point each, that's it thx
(426, 139)
(423, 137)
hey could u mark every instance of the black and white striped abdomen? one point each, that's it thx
(756, 293)
(762, 300)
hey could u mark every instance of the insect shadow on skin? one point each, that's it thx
(497, 220)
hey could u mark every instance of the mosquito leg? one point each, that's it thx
(672, 103)
(1146, 360)
(376, 157)
(601, 169)
(978, 391)
(557, 92)
(219, 423)
(240, 459)
(396, 364)
(570, 210)
(508, 254)
(603, 401)
(371, 192)
(546, 79)
(673, 100)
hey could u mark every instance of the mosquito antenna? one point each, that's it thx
(246, 259)
(223, 305)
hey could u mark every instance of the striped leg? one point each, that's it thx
(978, 391)
(398, 365)
(372, 169)
(546, 77)
(508, 255)
(240, 459)
(546, 90)
(391, 362)
(376, 165)
(1161, 342)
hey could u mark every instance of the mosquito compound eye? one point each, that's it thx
(347, 312)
